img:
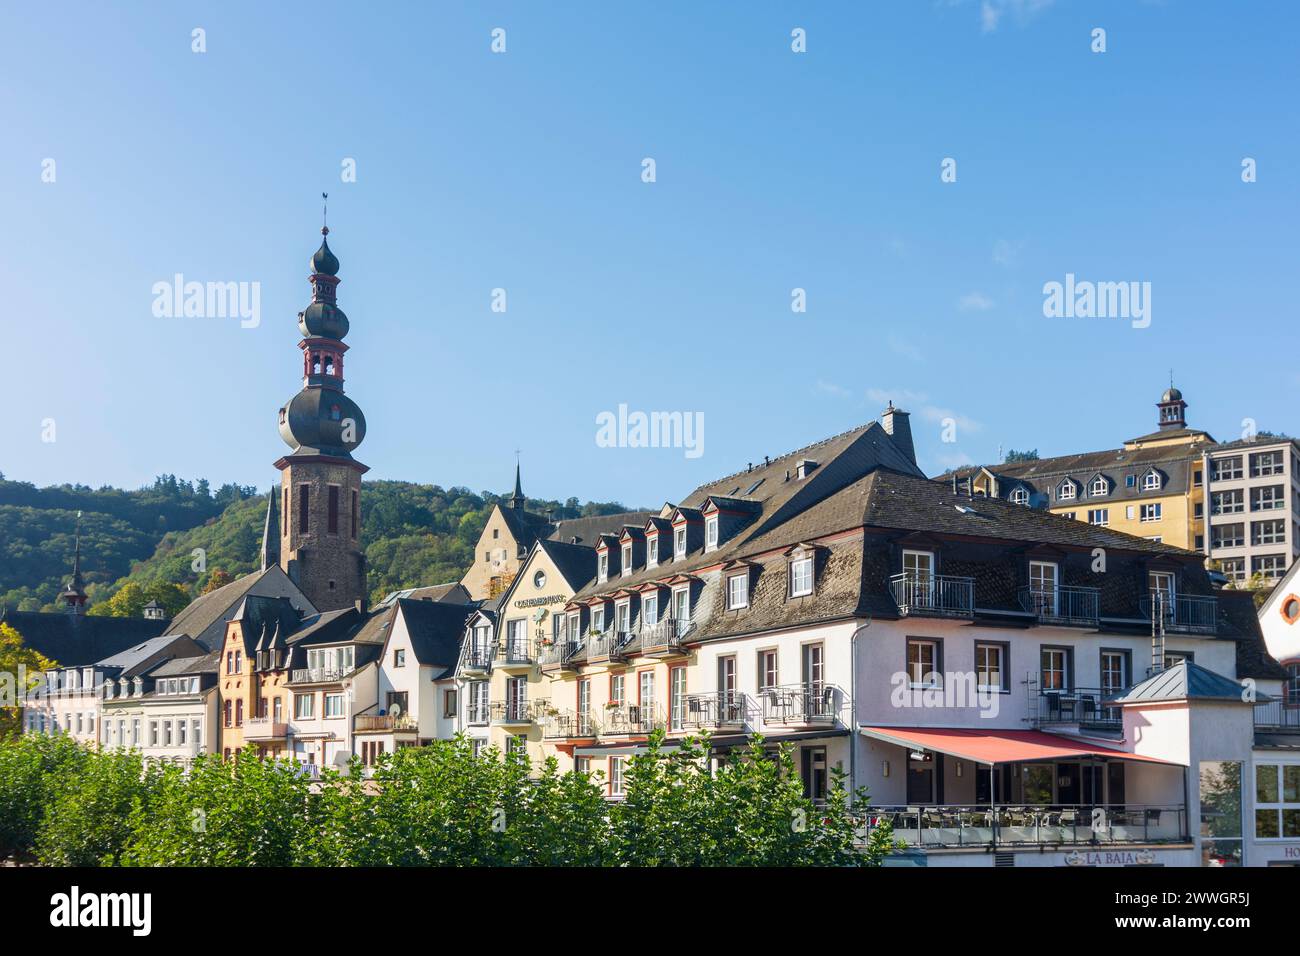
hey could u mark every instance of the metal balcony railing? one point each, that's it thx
(1091, 707)
(319, 675)
(569, 724)
(478, 714)
(477, 656)
(631, 719)
(715, 711)
(1062, 605)
(609, 645)
(1187, 613)
(372, 722)
(941, 827)
(934, 595)
(516, 651)
(516, 711)
(1278, 715)
(810, 703)
(558, 655)
(264, 728)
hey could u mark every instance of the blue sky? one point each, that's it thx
(522, 171)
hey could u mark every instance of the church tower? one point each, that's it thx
(320, 481)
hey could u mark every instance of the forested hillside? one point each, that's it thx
(413, 534)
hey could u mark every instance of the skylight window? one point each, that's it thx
(754, 487)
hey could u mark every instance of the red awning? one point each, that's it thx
(1001, 746)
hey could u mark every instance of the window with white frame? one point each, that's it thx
(1151, 481)
(335, 705)
(710, 532)
(679, 542)
(767, 669)
(682, 606)
(650, 609)
(1266, 463)
(616, 777)
(1227, 502)
(1226, 469)
(1065, 491)
(737, 591)
(1055, 668)
(1150, 512)
(991, 667)
(627, 559)
(1233, 568)
(1043, 576)
(1114, 671)
(801, 576)
(304, 705)
(603, 562)
(923, 663)
(1277, 801)
(1228, 535)
(1272, 531)
(1099, 487)
(652, 550)
(1019, 496)
(1099, 516)
(1269, 565)
(1267, 498)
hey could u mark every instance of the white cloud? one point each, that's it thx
(975, 302)
(830, 388)
(919, 404)
(992, 11)
(1006, 251)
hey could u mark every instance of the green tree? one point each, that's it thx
(83, 824)
(20, 670)
(1015, 456)
(31, 768)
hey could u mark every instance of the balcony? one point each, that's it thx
(1184, 613)
(811, 704)
(515, 652)
(608, 646)
(570, 725)
(477, 658)
(664, 638)
(952, 827)
(722, 710)
(1068, 606)
(632, 719)
(933, 595)
(558, 656)
(264, 728)
(516, 712)
(1091, 708)
(319, 675)
(373, 723)
(1278, 716)
(477, 714)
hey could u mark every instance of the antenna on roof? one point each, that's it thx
(324, 214)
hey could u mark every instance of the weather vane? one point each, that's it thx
(324, 214)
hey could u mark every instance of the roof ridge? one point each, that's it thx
(863, 427)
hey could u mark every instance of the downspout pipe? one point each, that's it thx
(855, 733)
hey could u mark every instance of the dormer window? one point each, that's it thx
(1019, 496)
(679, 543)
(737, 591)
(1065, 491)
(627, 559)
(1100, 487)
(801, 576)
(1151, 481)
(804, 468)
(710, 532)
(598, 619)
(603, 560)
(652, 550)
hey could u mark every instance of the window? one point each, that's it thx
(1269, 565)
(991, 667)
(710, 532)
(277, 710)
(801, 576)
(304, 500)
(334, 705)
(615, 773)
(737, 591)
(1227, 535)
(1277, 801)
(598, 618)
(1150, 512)
(649, 609)
(1226, 469)
(332, 524)
(226, 710)
(646, 689)
(135, 731)
(1019, 496)
(652, 550)
(622, 617)
(1196, 477)
(680, 543)
(1272, 531)
(923, 663)
(1151, 481)
(1042, 587)
(767, 671)
(1114, 671)
(682, 606)
(399, 655)
(1065, 490)
(627, 559)
(676, 698)
(1100, 487)
(304, 706)
(239, 713)
(582, 765)
(1266, 463)
(1221, 805)
(1227, 502)
(478, 702)
(1267, 498)
(584, 705)
(1233, 568)
(1099, 516)
(1130, 481)
(604, 565)
(153, 733)
(617, 689)
(449, 703)
(168, 730)
(1055, 668)
(539, 579)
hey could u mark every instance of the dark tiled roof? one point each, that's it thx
(178, 666)
(1260, 441)
(1168, 433)
(588, 529)
(436, 630)
(524, 525)
(204, 619)
(575, 561)
(334, 627)
(74, 640)
(1241, 621)
(145, 657)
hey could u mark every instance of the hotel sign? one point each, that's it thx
(1110, 858)
(539, 601)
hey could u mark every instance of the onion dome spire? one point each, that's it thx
(74, 595)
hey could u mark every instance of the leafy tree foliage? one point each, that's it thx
(133, 596)
(1013, 456)
(16, 659)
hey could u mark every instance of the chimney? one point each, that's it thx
(898, 426)
(360, 604)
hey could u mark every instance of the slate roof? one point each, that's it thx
(576, 562)
(179, 666)
(436, 630)
(1237, 610)
(334, 627)
(588, 529)
(1259, 442)
(1184, 681)
(204, 619)
(75, 640)
(144, 657)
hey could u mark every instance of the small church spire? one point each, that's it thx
(271, 534)
(517, 500)
(74, 595)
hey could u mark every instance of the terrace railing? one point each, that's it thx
(715, 711)
(1185, 613)
(631, 719)
(809, 703)
(1069, 605)
(1093, 707)
(933, 595)
(1278, 716)
(941, 827)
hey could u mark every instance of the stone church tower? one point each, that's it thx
(320, 483)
